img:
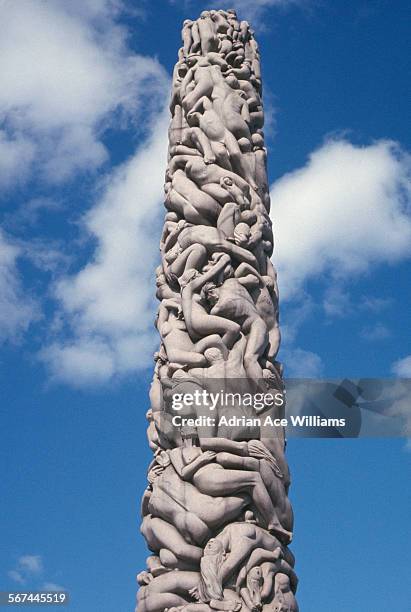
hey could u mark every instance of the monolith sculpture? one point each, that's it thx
(215, 513)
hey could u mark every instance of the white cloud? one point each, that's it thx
(402, 367)
(347, 209)
(17, 310)
(52, 586)
(65, 75)
(16, 576)
(376, 332)
(109, 304)
(32, 564)
(295, 317)
(301, 364)
(336, 302)
(253, 11)
(28, 566)
(16, 155)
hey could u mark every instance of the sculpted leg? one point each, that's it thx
(213, 341)
(157, 602)
(162, 535)
(166, 591)
(228, 218)
(203, 144)
(256, 342)
(179, 204)
(215, 511)
(226, 482)
(193, 256)
(191, 527)
(276, 489)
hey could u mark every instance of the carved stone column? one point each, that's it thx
(215, 513)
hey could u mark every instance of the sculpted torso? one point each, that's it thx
(215, 512)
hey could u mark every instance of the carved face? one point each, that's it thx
(213, 547)
(282, 583)
(212, 295)
(241, 235)
(255, 573)
(163, 458)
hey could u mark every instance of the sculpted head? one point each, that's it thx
(254, 581)
(258, 141)
(210, 293)
(255, 573)
(282, 583)
(213, 355)
(161, 280)
(232, 80)
(210, 585)
(242, 234)
(187, 277)
(213, 547)
(226, 181)
(149, 415)
(162, 458)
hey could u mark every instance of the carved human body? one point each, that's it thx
(215, 513)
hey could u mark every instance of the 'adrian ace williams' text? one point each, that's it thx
(236, 421)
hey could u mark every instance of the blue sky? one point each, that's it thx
(83, 91)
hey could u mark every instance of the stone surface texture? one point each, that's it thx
(215, 514)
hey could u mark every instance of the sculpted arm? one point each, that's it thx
(186, 472)
(202, 104)
(186, 81)
(244, 269)
(223, 445)
(174, 234)
(245, 112)
(163, 310)
(178, 163)
(216, 59)
(199, 282)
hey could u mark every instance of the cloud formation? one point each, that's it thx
(108, 306)
(17, 308)
(300, 363)
(27, 567)
(402, 368)
(347, 209)
(66, 74)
